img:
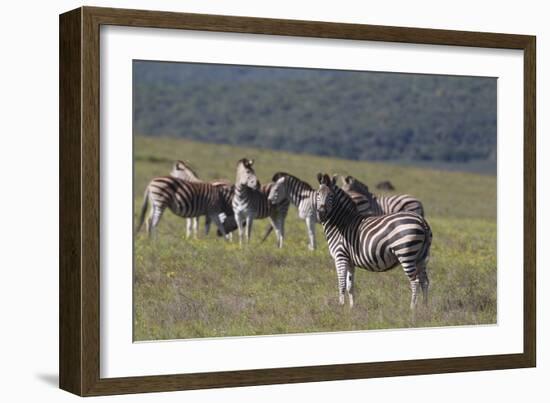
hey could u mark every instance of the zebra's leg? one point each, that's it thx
(281, 230)
(195, 227)
(415, 288)
(152, 222)
(188, 228)
(342, 268)
(424, 284)
(148, 221)
(410, 267)
(310, 224)
(207, 222)
(349, 284)
(248, 228)
(276, 224)
(239, 221)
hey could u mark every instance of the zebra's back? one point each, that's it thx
(184, 198)
(387, 204)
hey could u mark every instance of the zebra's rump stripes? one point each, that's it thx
(385, 241)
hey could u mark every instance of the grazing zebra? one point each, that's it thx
(300, 193)
(383, 204)
(250, 202)
(376, 243)
(183, 170)
(183, 198)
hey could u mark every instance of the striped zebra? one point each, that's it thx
(376, 243)
(267, 210)
(383, 204)
(183, 170)
(300, 193)
(183, 198)
(250, 202)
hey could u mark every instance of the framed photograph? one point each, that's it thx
(248, 201)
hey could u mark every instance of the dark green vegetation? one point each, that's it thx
(208, 287)
(446, 121)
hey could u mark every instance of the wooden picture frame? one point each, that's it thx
(79, 346)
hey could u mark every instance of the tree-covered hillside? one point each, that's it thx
(353, 115)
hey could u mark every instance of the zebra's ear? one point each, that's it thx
(320, 178)
(334, 179)
(250, 162)
(348, 179)
(178, 166)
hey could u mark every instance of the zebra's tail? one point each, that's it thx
(268, 231)
(425, 254)
(144, 207)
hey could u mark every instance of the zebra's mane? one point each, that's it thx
(186, 168)
(279, 175)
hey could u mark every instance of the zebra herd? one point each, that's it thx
(365, 230)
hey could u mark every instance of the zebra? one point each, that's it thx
(300, 193)
(183, 198)
(375, 243)
(250, 202)
(383, 204)
(267, 210)
(183, 170)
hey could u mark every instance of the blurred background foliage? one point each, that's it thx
(436, 121)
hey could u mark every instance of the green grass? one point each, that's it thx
(208, 287)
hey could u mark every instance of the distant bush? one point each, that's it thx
(354, 115)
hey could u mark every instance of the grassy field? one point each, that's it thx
(208, 287)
